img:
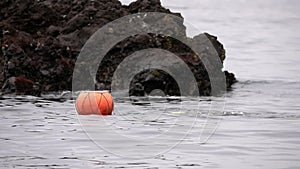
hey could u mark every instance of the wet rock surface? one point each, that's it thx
(41, 40)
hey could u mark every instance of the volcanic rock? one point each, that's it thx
(41, 39)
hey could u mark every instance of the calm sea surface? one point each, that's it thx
(258, 127)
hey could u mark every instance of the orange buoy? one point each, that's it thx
(94, 103)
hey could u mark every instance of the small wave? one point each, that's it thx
(265, 115)
(270, 81)
(233, 113)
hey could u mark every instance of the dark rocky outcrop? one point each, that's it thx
(41, 39)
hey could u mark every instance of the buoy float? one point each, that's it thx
(94, 103)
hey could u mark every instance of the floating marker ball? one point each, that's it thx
(94, 103)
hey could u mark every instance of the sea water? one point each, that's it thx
(258, 126)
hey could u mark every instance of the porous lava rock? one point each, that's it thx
(41, 39)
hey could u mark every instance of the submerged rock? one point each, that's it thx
(21, 86)
(41, 40)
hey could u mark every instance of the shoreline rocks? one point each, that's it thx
(40, 41)
(21, 86)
